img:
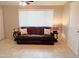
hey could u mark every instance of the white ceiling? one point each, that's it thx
(34, 3)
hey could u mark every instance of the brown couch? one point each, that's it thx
(35, 36)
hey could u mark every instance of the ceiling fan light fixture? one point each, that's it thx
(22, 3)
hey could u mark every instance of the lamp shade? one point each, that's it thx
(54, 28)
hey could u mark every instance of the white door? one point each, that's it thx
(73, 34)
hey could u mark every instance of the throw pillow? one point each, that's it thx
(47, 31)
(23, 31)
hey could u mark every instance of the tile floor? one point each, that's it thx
(9, 48)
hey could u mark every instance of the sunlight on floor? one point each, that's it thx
(9, 48)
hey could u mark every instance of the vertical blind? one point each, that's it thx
(35, 18)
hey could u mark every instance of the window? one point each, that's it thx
(35, 18)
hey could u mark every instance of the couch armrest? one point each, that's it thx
(16, 33)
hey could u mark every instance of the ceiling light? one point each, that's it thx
(20, 3)
(24, 3)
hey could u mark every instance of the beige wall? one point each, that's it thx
(1, 24)
(11, 18)
(65, 21)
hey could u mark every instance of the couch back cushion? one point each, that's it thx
(35, 30)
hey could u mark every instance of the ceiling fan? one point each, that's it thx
(23, 3)
(28, 2)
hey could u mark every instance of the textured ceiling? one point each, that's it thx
(34, 3)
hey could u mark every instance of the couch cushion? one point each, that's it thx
(35, 30)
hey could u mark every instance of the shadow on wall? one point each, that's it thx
(64, 32)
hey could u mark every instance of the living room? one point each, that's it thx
(54, 14)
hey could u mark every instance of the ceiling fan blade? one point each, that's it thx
(30, 1)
